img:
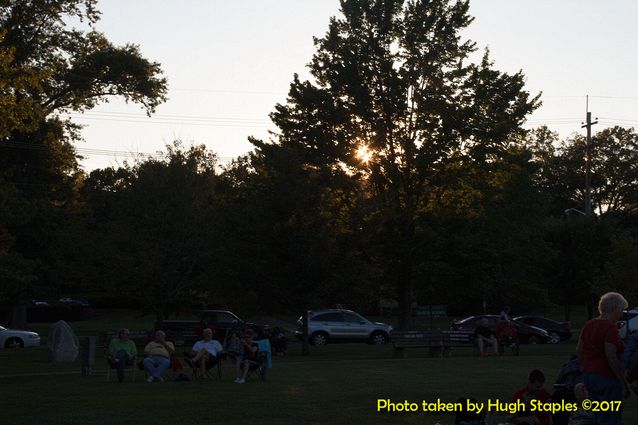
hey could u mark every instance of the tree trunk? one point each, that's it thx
(18, 317)
(405, 289)
(305, 346)
(590, 305)
(568, 312)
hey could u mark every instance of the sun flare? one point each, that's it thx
(364, 154)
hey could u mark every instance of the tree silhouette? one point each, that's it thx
(391, 85)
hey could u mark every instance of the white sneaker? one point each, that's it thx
(150, 379)
(236, 380)
(241, 381)
(160, 379)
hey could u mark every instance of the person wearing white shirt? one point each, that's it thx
(205, 353)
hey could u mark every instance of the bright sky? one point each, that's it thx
(229, 62)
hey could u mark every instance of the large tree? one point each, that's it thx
(48, 69)
(394, 102)
(155, 228)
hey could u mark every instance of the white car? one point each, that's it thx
(629, 323)
(13, 338)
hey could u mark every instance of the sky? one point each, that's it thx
(229, 62)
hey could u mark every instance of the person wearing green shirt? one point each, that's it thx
(122, 352)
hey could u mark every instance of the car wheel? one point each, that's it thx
(379, 338)
(533, 339)
(14, 343)
(319, 338)
(554, 338)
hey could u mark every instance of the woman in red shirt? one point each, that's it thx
(599, 349)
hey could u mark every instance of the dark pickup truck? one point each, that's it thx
(185, 332)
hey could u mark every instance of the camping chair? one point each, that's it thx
(507, 337)
(212, 369)
(264, 360)
(175, 366)
(112, 367)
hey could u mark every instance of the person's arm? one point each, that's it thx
(579, 348)
(195, 349)
(112, 347)
(169, 347)
(250, 347)
(614, 365)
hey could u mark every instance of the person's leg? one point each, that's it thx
(161, 364)
(201, 353)
(121, 358)
(602, 388)
(479, 342)
(149, 367)
(203, 361)
(237, 368)
(494, 345)
(247, 365)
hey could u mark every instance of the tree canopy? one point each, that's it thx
(394, 100)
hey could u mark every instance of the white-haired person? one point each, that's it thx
(599, 348)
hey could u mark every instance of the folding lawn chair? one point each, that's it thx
(112, 367)
(212, 369)
(264, 360)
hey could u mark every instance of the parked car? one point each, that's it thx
(629, 323)
(526, 333)
(72, 301)
(338, 325)
(13, 338)
(558, 331)
(184, 332)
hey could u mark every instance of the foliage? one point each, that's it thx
(391, 85)
(46, 70)
(153, 223)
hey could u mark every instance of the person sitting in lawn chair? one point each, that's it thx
(484, 335)
(507, 336)
(247, 357)
(158, 357)
(206, 353)
(278, 341)
(122, 353)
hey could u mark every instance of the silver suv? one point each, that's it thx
(342, 325)
(629, 323)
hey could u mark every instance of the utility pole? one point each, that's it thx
(588, 124)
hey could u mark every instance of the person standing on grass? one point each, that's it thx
(122, 353)
(158, 358)
(599, 349)
(205, 353)
(247, 358)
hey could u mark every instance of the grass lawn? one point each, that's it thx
(337, 384)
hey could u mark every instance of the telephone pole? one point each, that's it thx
(588, 124)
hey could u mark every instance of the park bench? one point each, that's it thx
(439, 343)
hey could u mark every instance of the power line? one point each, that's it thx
(98, 152)
(138, 121)
(170, 117)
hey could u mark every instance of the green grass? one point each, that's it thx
(337, 384)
